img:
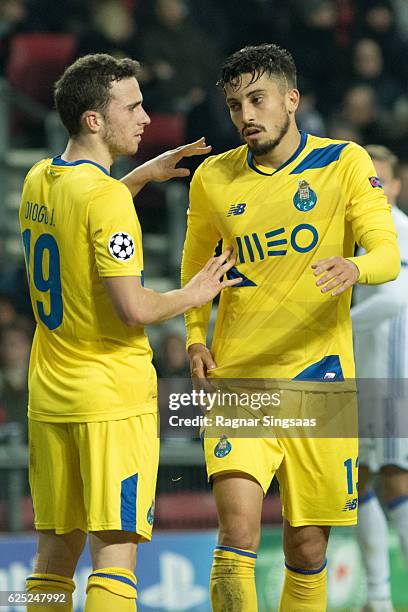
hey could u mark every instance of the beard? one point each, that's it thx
(263, 148)
(117, 146)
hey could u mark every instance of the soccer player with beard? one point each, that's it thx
(293, 206)
(93, 435)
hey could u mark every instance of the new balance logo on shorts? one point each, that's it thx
(236, 209)
(351, 504)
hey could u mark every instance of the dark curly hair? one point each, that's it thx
(86, 84)
(258, 60)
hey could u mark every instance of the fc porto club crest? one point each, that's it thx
(305, 198)
(223, 447)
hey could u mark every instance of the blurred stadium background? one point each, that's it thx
(353, 76)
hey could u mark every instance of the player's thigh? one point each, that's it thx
(305, 547)
(318, 481)
(119, 462)
(113, 549)
(239, 499)
(55, 478)
(59, 554)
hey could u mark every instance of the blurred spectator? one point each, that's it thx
(368, 68)
(378, 22)
(8, 314)
(112, 29)
(308, 117)
(360, 109)
(181, 60)
(171, 358)
(401, 18)
(13, 14)
(343, 130)
(316, 50)
(15, 345)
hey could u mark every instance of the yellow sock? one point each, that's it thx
(304, 590)
(232, 583)
(48, 587)
(112, 589)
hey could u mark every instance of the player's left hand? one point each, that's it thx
(163, 167)
(338, 274)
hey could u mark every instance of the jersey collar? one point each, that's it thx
(57, 161)
(302, 144)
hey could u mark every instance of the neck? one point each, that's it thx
(84, 148)
(283, 151)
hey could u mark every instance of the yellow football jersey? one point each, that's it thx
(276, 323)
(79, 225)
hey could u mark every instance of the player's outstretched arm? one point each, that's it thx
(163, 167)
(136, 305)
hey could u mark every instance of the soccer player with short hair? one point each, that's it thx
(93, 435)
(292, 205)
(380, 331)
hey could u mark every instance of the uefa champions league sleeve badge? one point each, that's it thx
(305, 198)
(121, 246)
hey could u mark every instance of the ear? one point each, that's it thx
(292, 100)
(92, 121)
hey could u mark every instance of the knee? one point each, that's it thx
(240, 535)
(306, 553)
(113, 549)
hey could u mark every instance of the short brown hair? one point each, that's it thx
(383, 154)
(86, 84)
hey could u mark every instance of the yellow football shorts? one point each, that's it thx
(317, 475)
(94, 476)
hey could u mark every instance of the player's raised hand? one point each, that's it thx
(163, 167)
(205, 285)
(338, 274)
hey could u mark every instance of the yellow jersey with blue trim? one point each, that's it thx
(79, 225)
(276, 323)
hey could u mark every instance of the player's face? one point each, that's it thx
(391, 184)
(261, 112)
(125, 118)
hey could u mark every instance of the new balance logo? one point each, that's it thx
(236, 209)
(351, 504)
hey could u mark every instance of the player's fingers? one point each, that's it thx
(199, 147)
(208, 361)
(198, 151)
(346, 285)
(216, 262)
(219, 272)
(323, 264)
(325, 279)
(179, 172)
(231, 283)
(338, 280)
(197, 367)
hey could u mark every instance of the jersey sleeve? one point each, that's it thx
(201, 239)
(115, 232)
(369, 213)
